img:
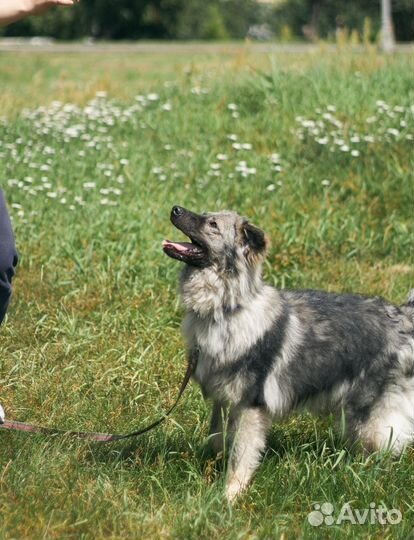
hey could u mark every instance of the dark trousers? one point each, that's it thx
(8, 257)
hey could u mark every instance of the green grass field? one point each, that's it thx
(316, 149)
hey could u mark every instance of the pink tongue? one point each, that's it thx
(178, 246)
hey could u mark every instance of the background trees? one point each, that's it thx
(215, 19)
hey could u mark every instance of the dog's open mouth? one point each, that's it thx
(195, 252)
(189, 252)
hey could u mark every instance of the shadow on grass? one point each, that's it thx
(297, 435)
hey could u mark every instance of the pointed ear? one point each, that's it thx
(255, 240)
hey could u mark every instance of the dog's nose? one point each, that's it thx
(177, 211)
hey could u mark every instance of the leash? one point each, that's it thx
(97, 436)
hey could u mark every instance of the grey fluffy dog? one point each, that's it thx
(261, 353)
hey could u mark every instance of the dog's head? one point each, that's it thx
(223, 239)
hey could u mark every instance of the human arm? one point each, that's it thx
(14, 10)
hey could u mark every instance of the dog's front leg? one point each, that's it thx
(248, 445)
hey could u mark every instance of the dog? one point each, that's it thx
(262, 353)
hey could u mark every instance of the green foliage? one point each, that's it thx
(93, 335)
(133, 19)
(324, 16)
(213, 27)
(215, 19)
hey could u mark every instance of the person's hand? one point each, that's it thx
(14, 10)
(38, 7)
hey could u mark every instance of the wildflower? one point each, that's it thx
(243, 168)
(197, 90)
(79, 200)
(308, 123)
(382, 105)
(393, 132)
(89, 185)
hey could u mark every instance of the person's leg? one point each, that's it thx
(8, 257)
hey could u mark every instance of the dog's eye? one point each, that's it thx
(213, 224)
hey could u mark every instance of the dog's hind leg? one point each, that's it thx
(251, 428)
(390, 424)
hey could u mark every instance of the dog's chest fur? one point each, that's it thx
(219, 340)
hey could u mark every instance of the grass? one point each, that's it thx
(92, 339)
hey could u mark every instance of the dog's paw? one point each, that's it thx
(2, 415)
(233, 490)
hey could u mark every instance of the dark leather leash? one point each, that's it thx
(97, 436)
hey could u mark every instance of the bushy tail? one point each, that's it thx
(408, 307)
(410, 299)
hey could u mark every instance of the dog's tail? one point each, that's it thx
(409, 305)
(410, 299)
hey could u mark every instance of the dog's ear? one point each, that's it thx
(255, 241)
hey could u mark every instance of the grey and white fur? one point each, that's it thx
(262, 353)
